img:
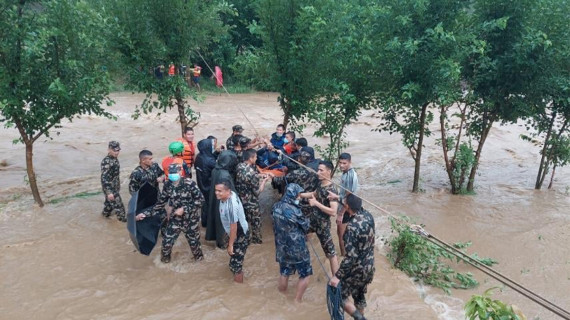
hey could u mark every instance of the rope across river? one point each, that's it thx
(545, 303)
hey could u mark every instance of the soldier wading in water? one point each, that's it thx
(356, 270)
(182, 201)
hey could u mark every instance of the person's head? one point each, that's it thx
(280, 130)
(189, 134)
(293, 193)
(244, 142)
(344, 161)
(145, 158)
(223, 190)
(237, 129)
(301, 142)
(325, 170)
(235, 140)
(250, 156)
(174, 172)
(176, 148)
(114, 148)
(353, 204)
(290, 137)
(306, 155)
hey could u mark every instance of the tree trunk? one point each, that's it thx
(552, 177)
(448, 166)
(418, 158)
(32, 174)
(286, 111)
(543, 165)
(484, 134)
(180, 103)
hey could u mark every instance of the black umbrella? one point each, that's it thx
(144, 233)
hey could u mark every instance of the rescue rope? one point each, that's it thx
(561, 312)
(334, 297)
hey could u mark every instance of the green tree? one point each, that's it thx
(421, 56)
(498, 71)
(51, 69)
(282, 31)
(153, 33)
(342, 88)
(549, 45)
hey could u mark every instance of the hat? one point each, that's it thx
(174, 168)
(114, 145)
(237, 127)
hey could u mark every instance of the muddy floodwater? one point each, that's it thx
(65, 261)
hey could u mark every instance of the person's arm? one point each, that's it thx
(197, 199)
(106, 179)
(233, 236)
(134, 182)
(307, 195)
(331, 211)
(348, 261)
(262, 183)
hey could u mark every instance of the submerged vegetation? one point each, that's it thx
(428, 262)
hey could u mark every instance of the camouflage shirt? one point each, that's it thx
(230, 143)
(321, 195)
(358, 264)
(139, 176)
(303, 177)
(110, 171)
(186, 195)
(247, 184)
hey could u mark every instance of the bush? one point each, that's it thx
(482, 307)
(426, 261)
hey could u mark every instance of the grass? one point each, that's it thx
(77, 195)
(233, 88)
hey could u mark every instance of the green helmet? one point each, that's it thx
(176, 147)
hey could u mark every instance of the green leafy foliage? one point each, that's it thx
(427, 262)
(52, 68)
(482, 307)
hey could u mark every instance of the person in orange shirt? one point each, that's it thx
(196, 75)
(176, 149)
(171, 70)
(189, 154)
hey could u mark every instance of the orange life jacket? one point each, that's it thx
(168, 160)
(189, 151)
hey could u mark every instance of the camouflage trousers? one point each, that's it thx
(253, 218)
(116, 206)
(322, 227)
(240, 247)
(356, 287)
(190, 228)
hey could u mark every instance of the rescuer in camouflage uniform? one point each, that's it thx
(249, 184)
(357, 268)
(323, 210)
(290, 226)
(111, 183)
(182, 201)
(301, 176)
(236, 130)
(147, 171)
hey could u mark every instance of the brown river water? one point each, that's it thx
(65, 261)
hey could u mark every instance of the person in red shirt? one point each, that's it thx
(171, 70)
(290, 146)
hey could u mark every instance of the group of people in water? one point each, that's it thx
(225, 200)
